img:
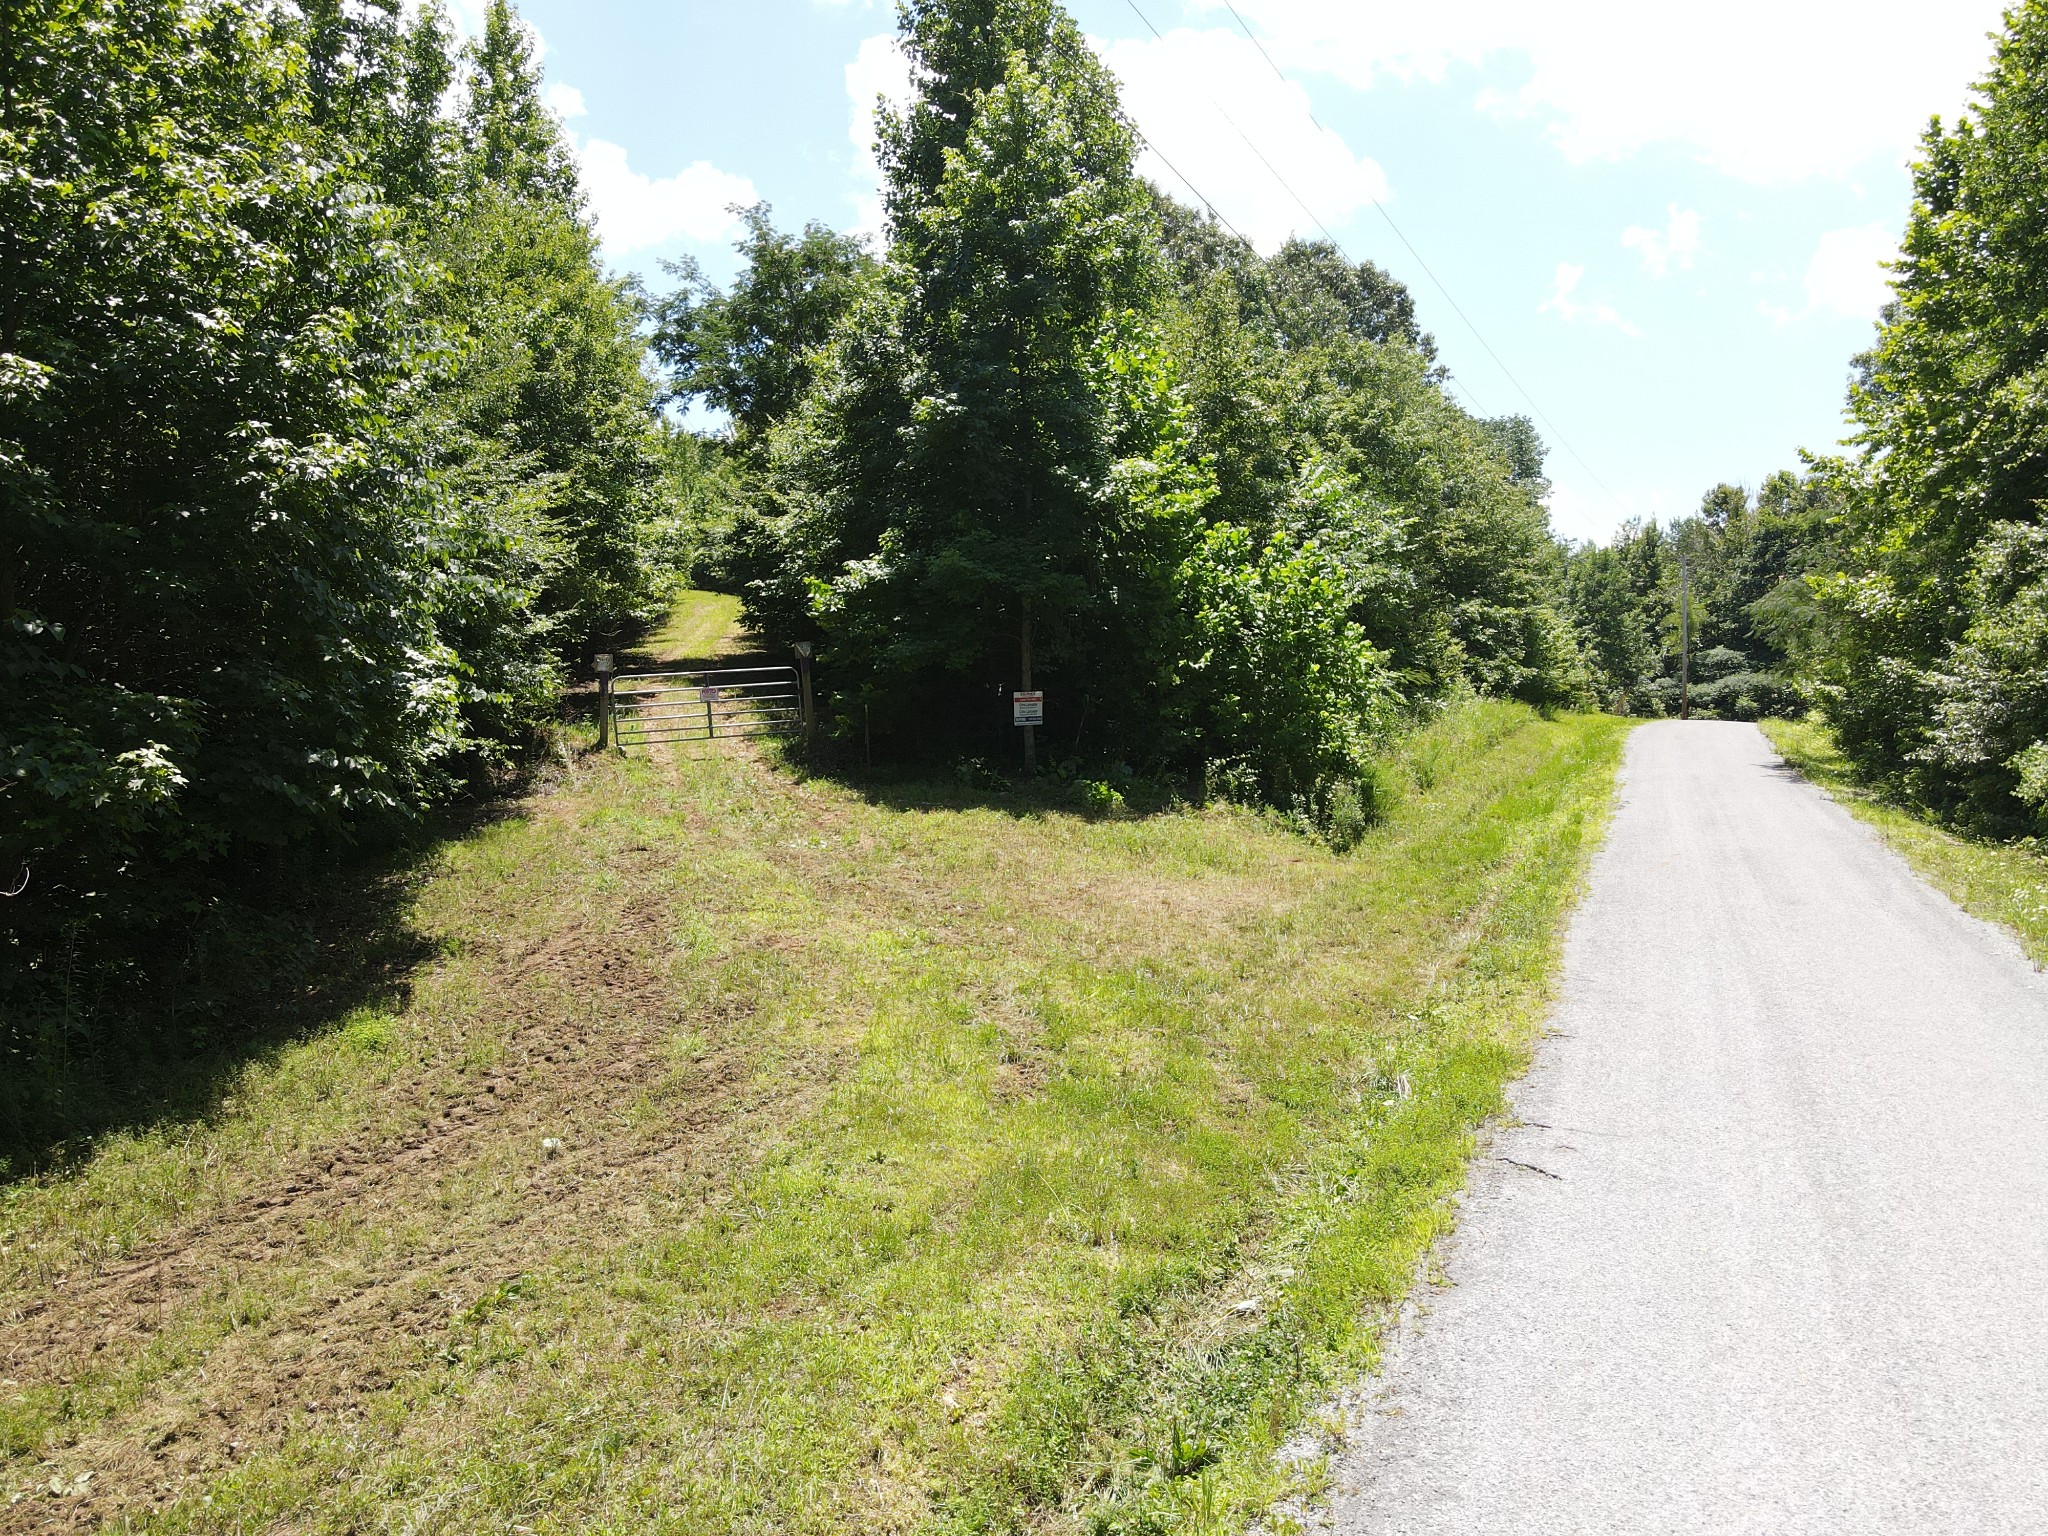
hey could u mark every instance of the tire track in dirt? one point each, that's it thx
(354, 1323)
(350, 1319)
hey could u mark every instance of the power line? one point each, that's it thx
(1441, 287)
(1214, 212)
(1262, 52)
(1182, 176)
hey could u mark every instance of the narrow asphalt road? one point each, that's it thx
(1785, 1265)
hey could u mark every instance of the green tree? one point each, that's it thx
(514, 143)
(1313, 293)
(1723, 505)
(544, 412)
(317, 443)
(1073, 417)
(752, 351)
(1608, 603)
(1439, 521)
(1480, 561)
(963, 459)
(1754, 622)
(1928, 672)
(546, 390)
(216, 597)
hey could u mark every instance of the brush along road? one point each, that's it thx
(1768, 1251)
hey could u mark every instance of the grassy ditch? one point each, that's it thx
(759, 1153)
(2000, 882)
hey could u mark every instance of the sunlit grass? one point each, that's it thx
(978, 1167)
(702, 626)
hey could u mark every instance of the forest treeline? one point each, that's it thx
(1222, 509)
(325, 442)
(329, 449)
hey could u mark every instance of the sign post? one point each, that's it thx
(604, 669)
(1684, 638)
(1032, 715)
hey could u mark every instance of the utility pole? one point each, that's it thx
(1684, 638)
(1024, 657)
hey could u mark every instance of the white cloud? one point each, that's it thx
(465, 16)
(1765, 90)
(1847, 273)
(1565, 303)
(1674, 245)
(881, 70)
(1188, 89)
(1173, 88)
(636, 213)
(632, 212)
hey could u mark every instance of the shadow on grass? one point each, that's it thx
(1806, 758)
(970, 784)
(129, 1032)
(645, 654)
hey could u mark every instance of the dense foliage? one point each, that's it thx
(1756, 629)
(321, 434)
(1219, 507)
(1937, 674)
(751, 350)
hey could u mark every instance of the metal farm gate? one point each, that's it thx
(641, 708)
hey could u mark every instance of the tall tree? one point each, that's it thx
(1934, 674)
(218, 603)
(319, 438)
(546, 409)
(972, 436)
(752, 351)
(514, 140)
(1224, 504)
(1313, 293)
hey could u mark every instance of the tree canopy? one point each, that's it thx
(327, 441)
(322, 434)
(1754, 622)
(1937, 675)
(1220, 504)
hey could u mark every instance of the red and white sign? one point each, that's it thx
(1027, 708)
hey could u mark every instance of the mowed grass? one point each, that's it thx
(760, 1153)
(702, 626)
(2000, 882)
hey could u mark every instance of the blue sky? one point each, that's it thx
(1666, 221)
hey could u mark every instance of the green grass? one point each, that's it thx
(2001, 882)
(928, 1162)
(702, 626)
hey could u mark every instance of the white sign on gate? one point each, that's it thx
(1027, 708)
